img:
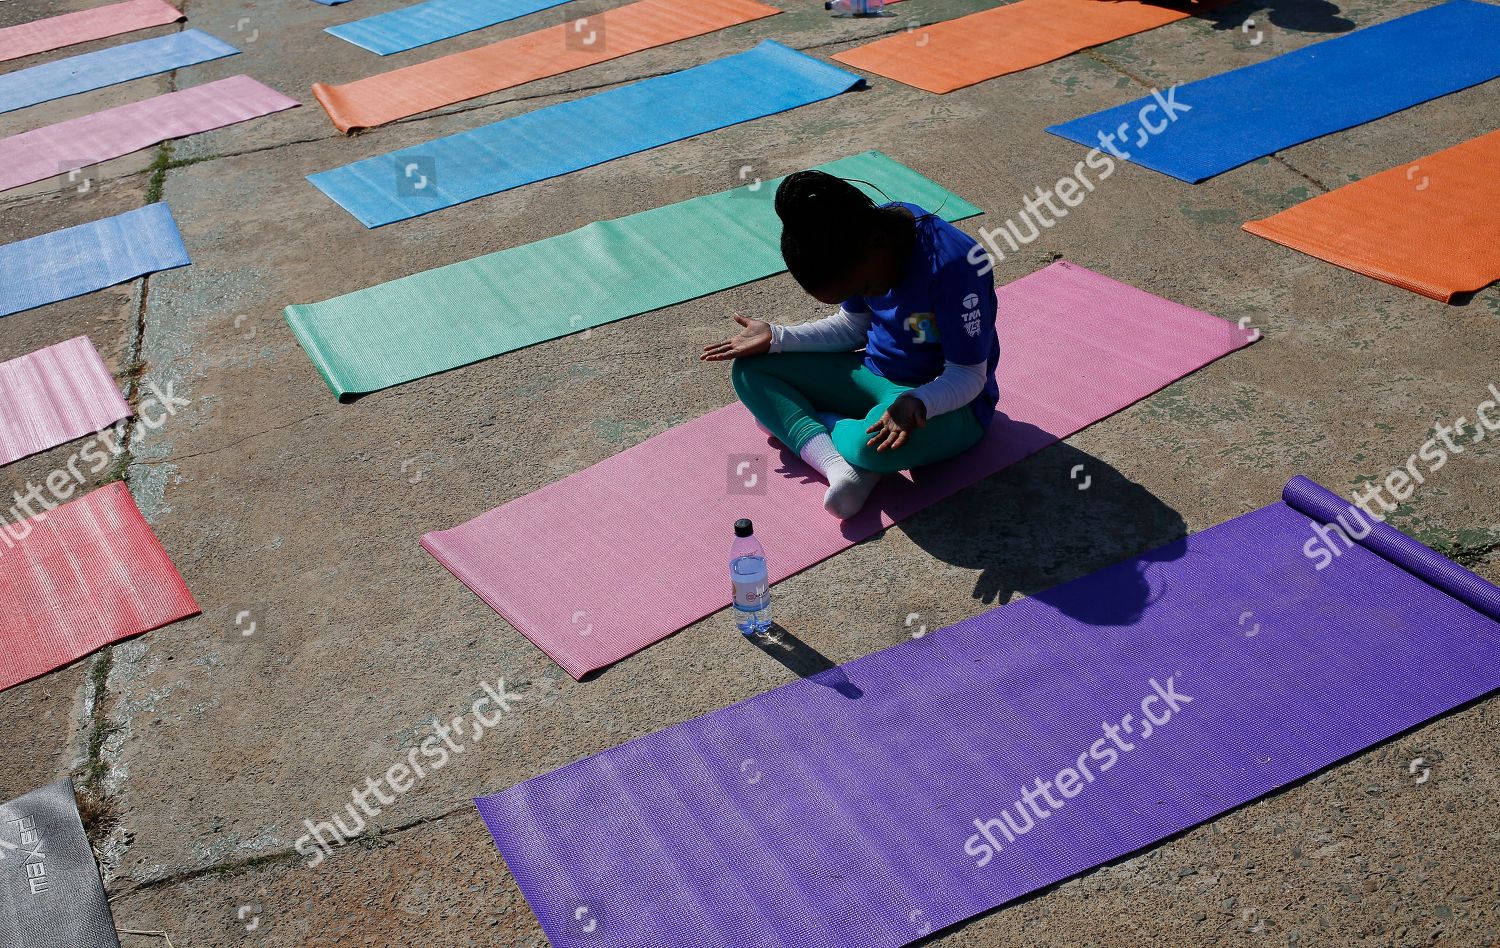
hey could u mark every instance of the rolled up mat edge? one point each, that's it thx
(1311, 499)
(325, 94)
(293, 316)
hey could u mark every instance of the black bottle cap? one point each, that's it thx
(743, 528)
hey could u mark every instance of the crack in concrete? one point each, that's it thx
(225, 447)
(285, 855)
(101, 725)
(1111, 64)
(1300, 173)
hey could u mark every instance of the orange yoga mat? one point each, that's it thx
(980, 46)
(1431, 226)
(387, 96)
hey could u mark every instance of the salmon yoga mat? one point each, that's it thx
(53, 395)
(73, 580)
(878, 802)
(1431, 225)
(1076, 347)
(1006, 39)
(388, 96)
(90, 139)
(454, 315)
(55, 32)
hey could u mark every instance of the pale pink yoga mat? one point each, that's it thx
(90, 139)
(603, 563)
(53, 395)
(55, 32)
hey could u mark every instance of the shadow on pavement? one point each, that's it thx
(804, 661)
(1053, 517)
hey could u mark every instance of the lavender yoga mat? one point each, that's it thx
(1075, 347)
(877, 802)
(90, 139)
(53, 395)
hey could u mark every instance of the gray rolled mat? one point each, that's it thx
(50, 892)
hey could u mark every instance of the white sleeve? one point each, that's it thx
(842, 332)
(956, 387)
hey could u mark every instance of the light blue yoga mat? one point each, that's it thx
(429, 22)
(1252, 112)
(79, 260)
(561, 138)
(76, 74)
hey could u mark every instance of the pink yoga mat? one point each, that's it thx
(603, 563)
(53, 395)
(90, 139)
(55, 32)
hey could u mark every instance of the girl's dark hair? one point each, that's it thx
(825, 224)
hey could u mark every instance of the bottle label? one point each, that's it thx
(751, 596)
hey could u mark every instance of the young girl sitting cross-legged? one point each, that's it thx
(923, 388)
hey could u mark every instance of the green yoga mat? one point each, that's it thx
(459, 314)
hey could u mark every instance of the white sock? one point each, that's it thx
(848, 486)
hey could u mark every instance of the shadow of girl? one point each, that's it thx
(1053, 517)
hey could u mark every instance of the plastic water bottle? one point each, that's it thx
(855, 7)
(752, 587)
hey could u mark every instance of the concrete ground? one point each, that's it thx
(201, 749)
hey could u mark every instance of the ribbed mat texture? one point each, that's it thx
(88, 573)
(444, 318)
(53, 395)
(619, 31)
(880, 801)
(589, 590)
(557, 139)
(1431, 225)
(1207, 127)
(77, 260)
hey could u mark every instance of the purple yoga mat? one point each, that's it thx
(53, 395)
(90, 139)
(1075, 347)
(855, 807)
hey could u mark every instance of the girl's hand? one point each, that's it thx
(905, 415)
(753, 340)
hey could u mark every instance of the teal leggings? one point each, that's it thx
(784, 390)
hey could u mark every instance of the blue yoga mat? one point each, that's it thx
(878, 802)
(79, 260)
(90, 71)
(561, 138)
(1249, 113)
(429, 22)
